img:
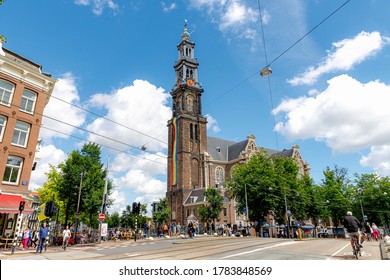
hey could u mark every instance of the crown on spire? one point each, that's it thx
(185, 36)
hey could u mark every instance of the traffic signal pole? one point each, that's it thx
(104, 201)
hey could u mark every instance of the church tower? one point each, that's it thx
(187, 138)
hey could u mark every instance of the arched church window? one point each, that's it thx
(196, 132)
(219, 175)
(191, 131)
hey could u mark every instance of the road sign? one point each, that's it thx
(298, 224)
(101, 217)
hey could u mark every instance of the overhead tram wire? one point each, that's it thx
(91, 132)
(279, 56)
(268, 76)
(100, 135)
(108, 147)
(107, 119)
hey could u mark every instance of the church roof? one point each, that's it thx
(225, 150)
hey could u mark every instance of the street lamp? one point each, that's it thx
(82, 175)
(247, 220)
(360, 192)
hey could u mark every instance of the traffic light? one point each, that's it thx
(49, 208)
(54, 211)
(21, 205)
(138, 208)
(134, 209)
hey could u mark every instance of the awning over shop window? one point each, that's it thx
(9, 204)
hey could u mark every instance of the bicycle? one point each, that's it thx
(356, 247)
(65, 244)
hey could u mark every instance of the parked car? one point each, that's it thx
(325, 233)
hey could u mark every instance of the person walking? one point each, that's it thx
(368, 231)
(178, 229)
(65, 237)
(26, 238)
(42, 235)
(375, 232)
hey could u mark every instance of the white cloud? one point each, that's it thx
(234, 17)
(344, 56)
(58, 110)
(98, 6)
(168, 7)
(46, 156)
(141, 107)
(378, 159)
(212, 124)
(347, 116)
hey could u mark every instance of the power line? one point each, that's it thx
(268, 77)
(107, 119)
(115, 149)
(280, 55)
(91, 132)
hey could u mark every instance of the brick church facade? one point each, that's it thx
(196, 161)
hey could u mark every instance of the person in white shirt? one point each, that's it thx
(65, 238)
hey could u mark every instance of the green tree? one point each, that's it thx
(163, 213)
(372, 196)
(83, 168)
(267, 183)
(49, 191)
(336, 193)
(2, 38)
(114, 220)
(213, 207)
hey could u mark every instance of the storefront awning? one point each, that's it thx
(9, 204)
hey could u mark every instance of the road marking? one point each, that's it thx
(132, 255)
(260, 249)
(334, 254)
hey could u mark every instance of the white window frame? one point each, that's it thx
(28, 101)
(219, 175)
(13, 168)
(18, 132)
(6, 92)
(3, 123)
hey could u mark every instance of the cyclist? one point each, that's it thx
(352, 225)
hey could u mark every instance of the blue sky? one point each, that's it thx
(330, 92)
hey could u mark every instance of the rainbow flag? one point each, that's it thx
(174, 151)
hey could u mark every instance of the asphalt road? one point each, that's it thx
(208, 248)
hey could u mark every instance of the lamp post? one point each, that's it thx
(288, 216)
(104, 200)
(246, 206)
(82, 174)
(361, 205)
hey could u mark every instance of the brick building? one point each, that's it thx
(24, 92)
(196, 161)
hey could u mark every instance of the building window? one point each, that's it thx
(28, 101)
(13, 170)
(191, 131)
(219, 175)
(21, 134)
(3, 122)
(196, 132)
(6, 92)
(224, 211)
(188, 212)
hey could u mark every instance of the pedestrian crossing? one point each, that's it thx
(110, 246)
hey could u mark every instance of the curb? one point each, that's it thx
(384, 254)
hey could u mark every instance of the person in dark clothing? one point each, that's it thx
(43, 232)
(352, 225)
